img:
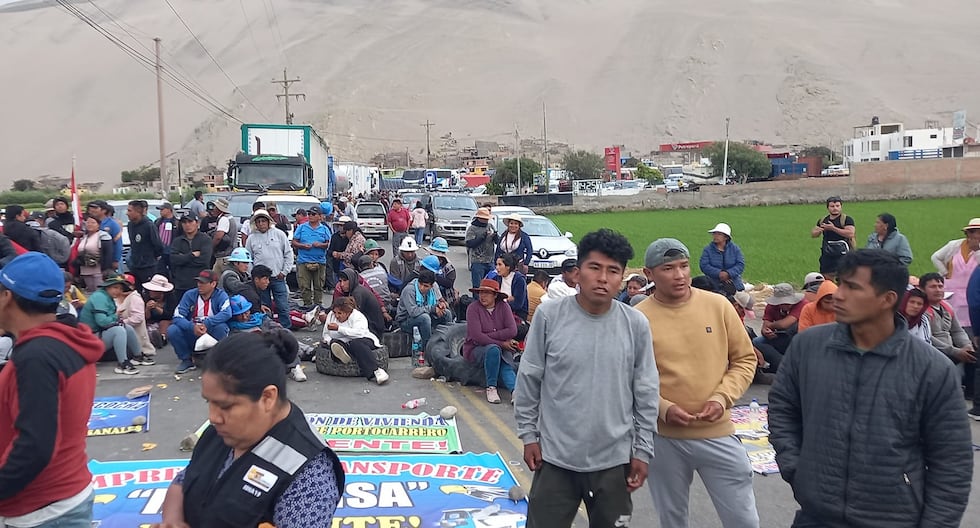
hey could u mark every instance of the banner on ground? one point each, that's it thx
(387, 433)
(115, 415)
(754, 435)
(383, 433)
(392, 491)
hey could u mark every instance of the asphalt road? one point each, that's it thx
(178, 410)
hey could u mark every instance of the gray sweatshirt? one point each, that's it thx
(588, 388)
(271, 249)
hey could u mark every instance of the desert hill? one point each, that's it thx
(632, 72)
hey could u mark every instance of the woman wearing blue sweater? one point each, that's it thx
(722, 260)
(512, 282)
(515, 241)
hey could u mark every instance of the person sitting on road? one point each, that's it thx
(73, 300)
(340, 291)
(779, 323)
(132, 311)
(886, 236)
(404, 266)
(244, 320)
(352, 285)
(820, 311)
(375, 251)
(355, 243)
(722, 260)
(811, 284)
(99, 314)
(259, 293)
(567, 284)
(537, 291)
(490, 332)
(205, 310)
(244, 385)
(375, 277)
(512, 283)
(235, 279)
(913, 309)
(347, 333)
(446, 275)
(634, 285)
(421, 306)
(160, 305)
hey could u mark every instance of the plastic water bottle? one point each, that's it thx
(414, 404)
(417, 354)
(755, 413)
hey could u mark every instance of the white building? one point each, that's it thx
(892, 141)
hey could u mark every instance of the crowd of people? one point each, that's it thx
(676, 356)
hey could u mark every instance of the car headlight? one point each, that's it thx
(571, 252)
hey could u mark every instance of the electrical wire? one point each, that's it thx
(215, 61)
(274, 28)
(248, 24)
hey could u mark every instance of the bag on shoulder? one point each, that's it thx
(55, 246)
(851, 242)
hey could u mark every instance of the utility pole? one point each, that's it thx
(428, 151)
(285, 95)
(547, 174)
(163, 147)
(517, 142)
(724, 170)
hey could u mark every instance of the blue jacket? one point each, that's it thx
(524, 249)
(220, 312)
(713, 262)
(518, 290)
(973, 299)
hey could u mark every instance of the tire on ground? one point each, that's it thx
(444, 352)
(327, 364)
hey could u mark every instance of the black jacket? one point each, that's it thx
(23, 234)
(183, 265)
(871, 439)
(7, 251)
(144, 244)
(63, 224)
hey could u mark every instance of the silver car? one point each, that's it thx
(372, 218)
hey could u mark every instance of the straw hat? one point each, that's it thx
(489, 285)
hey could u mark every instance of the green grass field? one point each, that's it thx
(776, 239)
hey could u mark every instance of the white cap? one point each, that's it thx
(722, 228)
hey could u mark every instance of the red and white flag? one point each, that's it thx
(76, 205)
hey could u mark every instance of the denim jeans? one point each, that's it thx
(78, 517)
(419, 235)
(425, 322)
(122, 341)
(182, 338)
(478, 271)
(496, 369)
(280, 294)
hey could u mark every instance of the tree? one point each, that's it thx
(654, 176)
(584, 165)
(142, 174)
(506, 171)
(632, 163)
(825, 153)
(23, 185)
(748, 163)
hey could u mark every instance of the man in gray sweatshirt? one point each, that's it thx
(271, 248)
(588, 445)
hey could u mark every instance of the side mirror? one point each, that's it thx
(568, 234)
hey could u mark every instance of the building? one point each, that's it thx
(892, 141)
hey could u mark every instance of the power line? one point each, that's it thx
(255, 44)
(276, 32)
(215, 61)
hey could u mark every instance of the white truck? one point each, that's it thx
(282, 158)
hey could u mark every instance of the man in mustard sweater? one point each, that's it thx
(706, 363)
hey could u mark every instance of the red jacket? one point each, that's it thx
(46, 393)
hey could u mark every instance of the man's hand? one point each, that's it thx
(532, 456)
(387, 316)
(966, 355)
(268, 311)
(195, 253)
(509, 345)
(679, 417)
(638, 474)
(281, 276)
(768, 332)
(200, 329)
(759, 358)
(333, 326)
(711, 412)
(151, 304)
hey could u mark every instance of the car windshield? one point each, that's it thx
(371, 210)
(540, 226)
(287, 208)
(409, 199)
(454, 203)
(278, 177)
(241, 205)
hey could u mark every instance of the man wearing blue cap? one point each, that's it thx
(45, 402)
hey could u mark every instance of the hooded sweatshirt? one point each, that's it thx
(46, 393)
(812, 315)
(367, 302)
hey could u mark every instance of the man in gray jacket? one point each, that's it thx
(592, 445)
(867, 421)
(271, 248)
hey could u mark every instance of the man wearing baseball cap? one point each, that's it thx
(311, 240)
(706, 363)
(189, 254)
(205, 310)
(45, 402)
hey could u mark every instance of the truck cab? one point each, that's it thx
(270, 173)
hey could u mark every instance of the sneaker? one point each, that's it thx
(380, 376)
(311, 315)
(492, 395)
(185, 366)
(146, 361)
(126, 368)
(974, 413)
(297, 373)
(340, 352)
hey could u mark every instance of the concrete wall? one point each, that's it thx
(882, 180)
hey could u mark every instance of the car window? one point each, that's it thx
(241, 205)
(285, 207)
(540, 226)
(370, 210)
(454, 203)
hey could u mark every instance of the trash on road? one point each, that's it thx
(414, 404)
(139, 392)
(148, 446)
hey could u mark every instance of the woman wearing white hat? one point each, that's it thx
(515, 241)
(722, 260)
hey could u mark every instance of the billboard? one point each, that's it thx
(613, 163)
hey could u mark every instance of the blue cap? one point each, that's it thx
(439, 245)
(239, 305)
(35, 277)
(431, 263)
(326, 208)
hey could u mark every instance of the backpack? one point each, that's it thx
(54, 245)
(851, 242)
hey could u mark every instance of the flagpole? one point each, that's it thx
(76, 205)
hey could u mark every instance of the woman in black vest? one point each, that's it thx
(258, 461)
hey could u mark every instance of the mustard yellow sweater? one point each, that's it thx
(703, 354)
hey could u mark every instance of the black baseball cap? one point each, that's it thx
(188, 217)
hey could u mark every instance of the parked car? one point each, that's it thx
(550, 246)
(372, 218)
(449, 215)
